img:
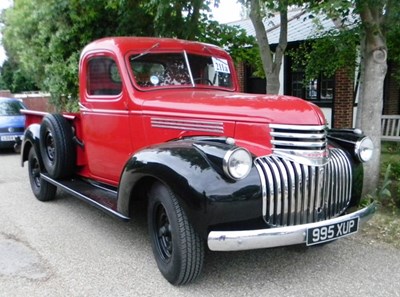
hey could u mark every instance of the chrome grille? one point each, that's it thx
(296, 194)
(289, 137)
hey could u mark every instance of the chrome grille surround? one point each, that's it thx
(303, 144)
(295, 193)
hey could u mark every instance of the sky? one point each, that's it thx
(228, 11)
(3, 4)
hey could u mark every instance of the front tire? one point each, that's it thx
(43, 190)
(177, 248)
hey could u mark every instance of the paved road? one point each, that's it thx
(67, 248)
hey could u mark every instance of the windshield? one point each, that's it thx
(10, 108)
(180, 70)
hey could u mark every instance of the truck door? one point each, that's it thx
(105, 118)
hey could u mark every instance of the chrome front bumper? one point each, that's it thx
(274, 237)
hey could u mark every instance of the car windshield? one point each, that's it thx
(180, 70)
(10, 108)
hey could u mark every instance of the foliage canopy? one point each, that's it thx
(43, 39)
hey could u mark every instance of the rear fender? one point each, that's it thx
(193, 171)
(31, 139)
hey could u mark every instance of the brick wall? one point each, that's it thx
(241, 73)
(343, 103)
(39, 103)
(6, 93)
(34, 101)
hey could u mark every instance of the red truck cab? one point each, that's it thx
(162, 121)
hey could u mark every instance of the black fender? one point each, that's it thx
(193, 170)
(31, 139)
(346, 139)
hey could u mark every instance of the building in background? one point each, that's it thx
(337, 96)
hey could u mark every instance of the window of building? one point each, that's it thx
(320, 89)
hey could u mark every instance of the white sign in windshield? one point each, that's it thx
(221, 65)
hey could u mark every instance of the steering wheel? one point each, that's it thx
(201, 79)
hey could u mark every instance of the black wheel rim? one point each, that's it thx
(162, 232)
(35, 172)
(50, 147)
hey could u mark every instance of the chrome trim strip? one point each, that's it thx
(193, 125)
(104, 111)
(299, 143)
(298, 127)
(275, 237)
(297, 135)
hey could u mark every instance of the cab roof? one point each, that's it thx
(124, 45)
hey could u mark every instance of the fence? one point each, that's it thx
(390, 128)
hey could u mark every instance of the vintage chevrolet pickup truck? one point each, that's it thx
(162, 124)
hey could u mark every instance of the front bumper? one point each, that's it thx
(274, 237)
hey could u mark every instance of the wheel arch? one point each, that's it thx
(31, 139)
(188, 172)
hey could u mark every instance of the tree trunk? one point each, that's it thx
(273, 83)
(374, 68)
(271, 63)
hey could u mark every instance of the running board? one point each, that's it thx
(88, 193)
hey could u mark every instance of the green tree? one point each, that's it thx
(12, 78)
(368, 24)
(45, 37)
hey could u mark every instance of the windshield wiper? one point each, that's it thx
(146, 51)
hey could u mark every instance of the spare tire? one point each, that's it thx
(56, 146)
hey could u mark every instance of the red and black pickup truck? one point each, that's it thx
(162, 123)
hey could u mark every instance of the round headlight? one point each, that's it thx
(237, 163)
(364, 149)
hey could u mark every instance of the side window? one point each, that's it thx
(103, 77)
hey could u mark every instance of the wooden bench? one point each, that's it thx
(390, 127)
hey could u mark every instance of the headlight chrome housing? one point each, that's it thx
(364, 149)
(237, 163)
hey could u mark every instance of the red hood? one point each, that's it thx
(234, 106)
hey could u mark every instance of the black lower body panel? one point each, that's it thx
(96, 196)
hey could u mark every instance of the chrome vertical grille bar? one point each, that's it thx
(312, 194)
(305, 196)
(275, 210)
(327, 190)
(299, 185)
(320, 191)
(296, 194)
(284, 203)
(291, 193)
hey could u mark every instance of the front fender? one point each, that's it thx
(193, 171)
(31, 139)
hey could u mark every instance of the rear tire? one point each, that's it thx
(57, 147)
(177, 248)
(43, 190)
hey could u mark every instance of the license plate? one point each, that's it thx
(8, 138)
(330, 232)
